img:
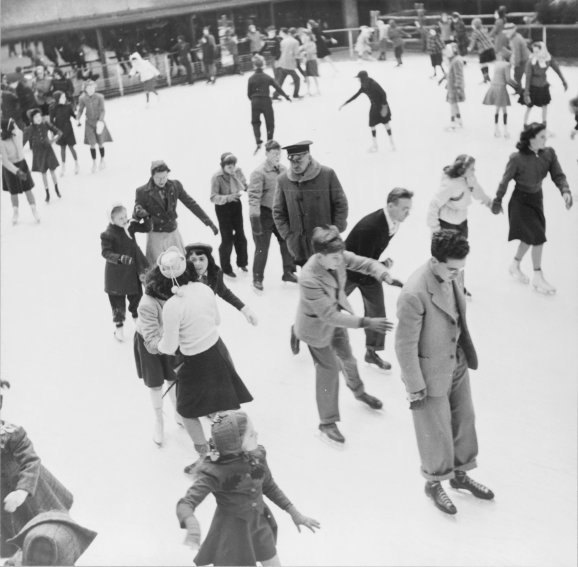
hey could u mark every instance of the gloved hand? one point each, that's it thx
(126, 260)
(193, 537)
(527, 100)
(214, 229)
(14, 500)
(396, 283)
(99, 127)
(140, 211)
(386, 278)
(496, 206)
(567, 196)
(21, 175)
(256, 226)
(378, 324)
(388, 263)
(384, 110)
(142, 277)
(250, 316)
(417, 399)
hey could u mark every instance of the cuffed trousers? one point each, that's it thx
(328, 362)
(118, 305)
(445, 428)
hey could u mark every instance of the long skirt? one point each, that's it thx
(208, 382)
(526, 216)
(12, 183)
(158, 242)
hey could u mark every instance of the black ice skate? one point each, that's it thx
(371, 401)
(442, 501)
(464, 482)
(329, 432)
(371, 357)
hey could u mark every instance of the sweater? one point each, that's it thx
(225, 188)
(190, 321)
(452, 199)
(259, 84)
(262, 185)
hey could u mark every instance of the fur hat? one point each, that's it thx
(228, 430)
(172, 264)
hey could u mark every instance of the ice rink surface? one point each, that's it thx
(75, 389)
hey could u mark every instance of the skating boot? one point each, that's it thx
(62, 169)
(436, 492)
(463, 482)
(35, 213)
(517, 274)
(371, 357)
(506, 133)
(94, 166)
(159, 430)
(330, 433)
(76, 168)
(497, 132)
(371, 401)
(14, 215)
(119, 334)
(258, 286)
(373, 148)
(541, 285)
(102, 163)
(289, 277)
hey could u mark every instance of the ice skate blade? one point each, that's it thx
(330, 442)
(543, 291)
(377, 369)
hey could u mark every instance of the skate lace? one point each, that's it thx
(444, 498)
(467, 481)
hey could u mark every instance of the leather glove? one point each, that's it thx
(126, 260)
(496, 206)
(417, 399)
(249, 315)
(21, 175)
(377, 324)
(567, 196)
(396, 283)
(214, 229)
(14, 500)
(99, 127)
(384, 110)
(140, 212)
(256, 226)
(527, 100)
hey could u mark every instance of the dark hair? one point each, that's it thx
(7, 125)
(58, 71)
(258, 61)
(283, 30)
(502, 12)
(160, 287)
(327, 240)
(458, 168)
(212, 268)
(447, 244)
(272, 145)
(529, 133)
(398, 193)
(227, 158)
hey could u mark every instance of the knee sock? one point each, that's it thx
(496, 118)
(93, 153)
(101, 151)
(373, 134)
(505, 118)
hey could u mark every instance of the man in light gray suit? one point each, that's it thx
(435, 350)
(323, 316)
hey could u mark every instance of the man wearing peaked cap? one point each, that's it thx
(157, 199)
(308, 195)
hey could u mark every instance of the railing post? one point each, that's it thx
(166, 64)
(119, 79)
(350, 41)
(544, 35)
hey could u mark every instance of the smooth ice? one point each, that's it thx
(75, 389)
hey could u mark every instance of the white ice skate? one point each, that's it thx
(35, 213)
(102, 163)
(541, 285)
(497, 132)
(15, 215)
(76, 168)
(159, 430)
(517, 274)
(506, 133)
(373, 148)
(62, 169)
(119, 334)
(94, 167)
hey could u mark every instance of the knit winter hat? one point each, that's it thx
(172, 264)
(228, 430)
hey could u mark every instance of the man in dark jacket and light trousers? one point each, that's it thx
(369, 238)
(435, 350)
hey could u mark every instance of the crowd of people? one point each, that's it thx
(172, 287)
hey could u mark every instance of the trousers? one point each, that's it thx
(293, 74)
(262, 106)
(373, 306)
(262, 243)
(445, 428)
(118, 304)
(328, 362)
(230, 217)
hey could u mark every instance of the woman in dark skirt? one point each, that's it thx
(60, 115)
(153, 367)
(207, 382)
(528, 167)
(16, 177)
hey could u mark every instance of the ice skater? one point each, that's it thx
(261, 105)
(200, 255)
(379, 111)
(396, 35)
(497, 94)
(323, 316)
(574, 110)
(16, 177)
(147, 74)
(227, 186)
(309, 55)
(243, 530)
(61, 116)
(481, 41)
(528, 167)
(369, 238)
(209, 53)
(154, 368)
(43, 156)
(435, 47)
(434, 349)
(125, 265)
(207, 381)
(455, 86)
(537, 88)
(363, 47)
(95, 130)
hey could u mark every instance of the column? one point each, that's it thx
(350, 12)
(102, 54)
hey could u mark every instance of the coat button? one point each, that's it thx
(452, 356)
(248, 474)
(254, 505)
(453, 339)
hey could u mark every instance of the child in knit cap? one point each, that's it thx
(125, 265)
(243, 530)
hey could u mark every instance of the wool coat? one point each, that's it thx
(427, 333)
(21, 469)
(304, 202)
(323, 304)
(119, 278)
(161, 205)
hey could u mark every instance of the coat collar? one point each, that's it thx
(312, 171)
(441, 299)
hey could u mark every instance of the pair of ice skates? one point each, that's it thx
(539, 283)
